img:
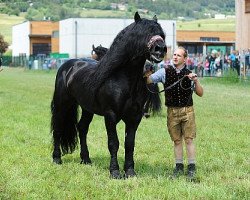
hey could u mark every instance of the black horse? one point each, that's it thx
(98, 52)
(113, 88)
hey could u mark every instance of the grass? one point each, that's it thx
(222, 143)
(94, 13)
(207, 25)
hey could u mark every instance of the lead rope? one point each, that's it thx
(169, 87)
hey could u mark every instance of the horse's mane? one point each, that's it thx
(129, 44)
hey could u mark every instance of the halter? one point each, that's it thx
(153, 40)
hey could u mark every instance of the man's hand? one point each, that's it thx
(193, 77)
(198, 87)
(147, 74)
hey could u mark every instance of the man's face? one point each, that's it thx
(178, 57)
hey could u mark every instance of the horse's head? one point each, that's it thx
(155, 38)
(99, 52)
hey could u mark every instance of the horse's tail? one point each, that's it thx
(153, 102)
(64, 115)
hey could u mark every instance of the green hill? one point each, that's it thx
(6, 23)
(164, 9)
(207, 25)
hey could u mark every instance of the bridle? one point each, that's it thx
(150, 43)
(153, 40)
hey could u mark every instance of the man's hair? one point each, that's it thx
(185, 51)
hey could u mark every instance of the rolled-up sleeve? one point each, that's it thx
(158, 76)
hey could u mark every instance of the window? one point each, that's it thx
(247, 6)
(209, 39)
(41, 49)
(55, 34)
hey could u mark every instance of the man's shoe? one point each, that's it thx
(191, 173)
(178, 170)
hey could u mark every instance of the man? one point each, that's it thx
(180, 112)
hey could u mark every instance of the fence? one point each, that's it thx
(44, 63)
(33, 62)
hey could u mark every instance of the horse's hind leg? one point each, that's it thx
(57, 152)
(56, 128)
(57, 138)
(113, 144)
(83, 127)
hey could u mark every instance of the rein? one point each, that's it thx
(169, 87)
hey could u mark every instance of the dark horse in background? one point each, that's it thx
(113, 88)
(98, 52)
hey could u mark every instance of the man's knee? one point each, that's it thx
(177, 142)
(188, 141)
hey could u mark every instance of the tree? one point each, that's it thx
(3, 45)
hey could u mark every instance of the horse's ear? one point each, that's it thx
(155, 18)
(93, 47)
(137, 17)
(100, 45)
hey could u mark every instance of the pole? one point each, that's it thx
(173, 38)
(75, 39)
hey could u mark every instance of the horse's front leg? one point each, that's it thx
(83, 127)
(130, 132)
(113, 144)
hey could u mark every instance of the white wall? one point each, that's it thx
(169, 28)
(98, 31)
(20, 39)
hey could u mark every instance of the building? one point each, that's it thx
(242, 8)
(206, 41)
(35, 37)
(77, 35)
(74, 36)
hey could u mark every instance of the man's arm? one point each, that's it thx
(149, 80)
(198, 87)
(158, 76)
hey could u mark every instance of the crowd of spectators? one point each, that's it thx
(215, 63)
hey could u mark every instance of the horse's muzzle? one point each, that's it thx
(158, 49)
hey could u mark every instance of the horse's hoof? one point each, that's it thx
(115, 174)
(57, 161)
(129, 173)
(86, 162)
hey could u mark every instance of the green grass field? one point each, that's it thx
(207, 25)
(6, 23)
(27, 172)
